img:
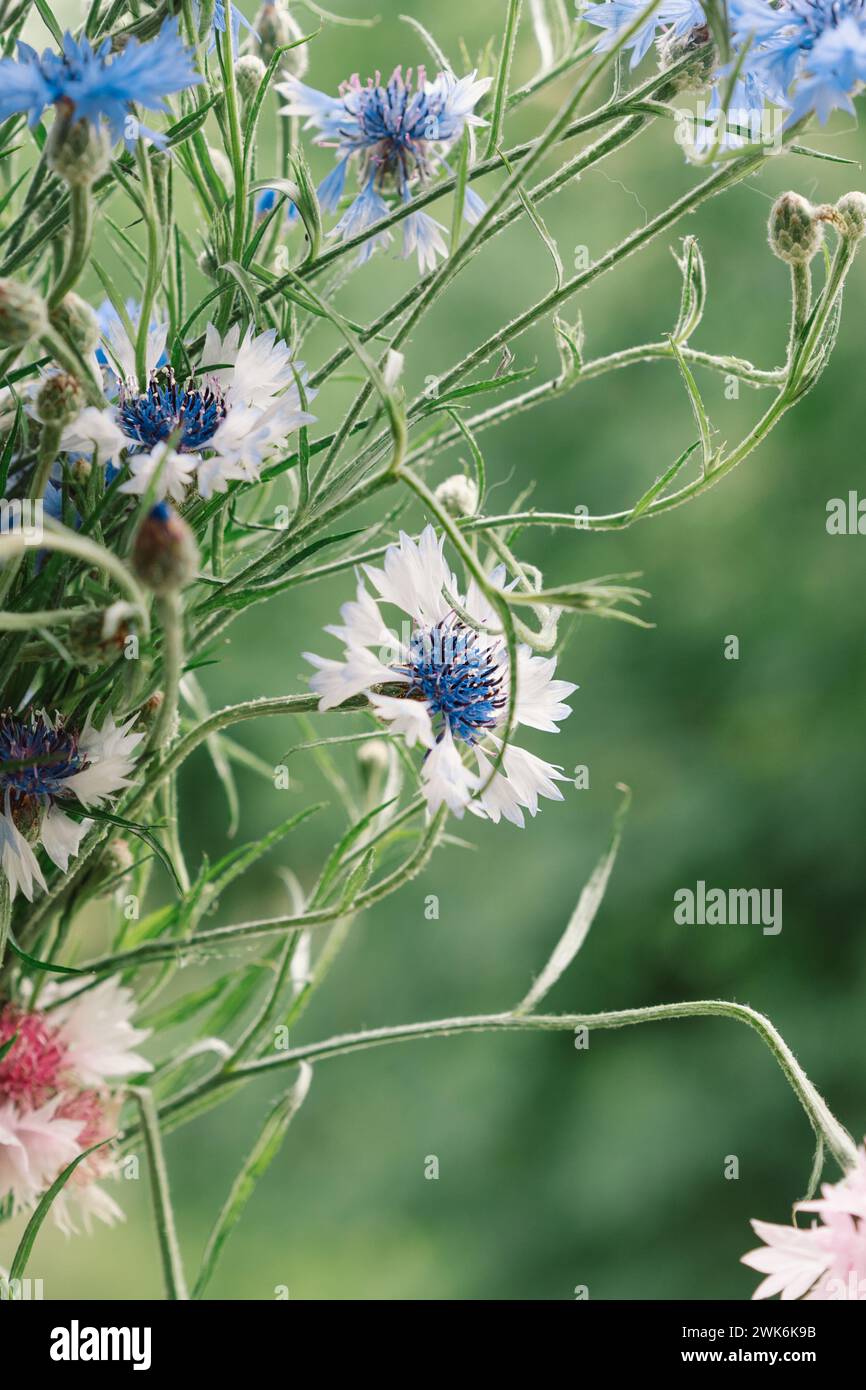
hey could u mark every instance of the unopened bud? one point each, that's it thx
(458, 495)
(77, 322)
(22, 314)
(275, 28)
(373, 755)
(208, 263)
(164, 553)
(851, 215)
(795, 232)
(78, 151)
(59, 399)
(249, 72)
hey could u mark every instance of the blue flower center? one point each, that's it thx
(398, 125)
(189, 413)
(48, 756)
(459, 678)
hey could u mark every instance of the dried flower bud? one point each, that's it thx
(696, 74)
(78, 151)
(59, 399)
(77, 322)
(851, 215)
(151, 707)
(164, 553)
(22, 314)
(458, 495)
(249, 71)
(276, 27)
(795, 232)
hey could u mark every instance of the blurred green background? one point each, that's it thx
(561, 1168)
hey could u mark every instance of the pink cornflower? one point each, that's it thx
(821, 1262)
(55, 1100)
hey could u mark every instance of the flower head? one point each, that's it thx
(55, 1100)
(823, 1262)
(219, 425)
(397, 134)
(444, 684)
(44, 765)
(95, 84)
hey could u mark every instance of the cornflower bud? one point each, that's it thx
(164, 553)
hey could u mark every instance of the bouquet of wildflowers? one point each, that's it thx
(177, 446)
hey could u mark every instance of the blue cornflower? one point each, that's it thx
(94, 84)
(806, 54)
(397, 136)
(673, 17)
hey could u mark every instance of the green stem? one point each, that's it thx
(172, 1266)
(154, 259)
(497, 115)
(5, 914)
(80, 241)
(823, 1122)
(170, 612)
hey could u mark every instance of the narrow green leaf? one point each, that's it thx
(460, 190)
(25, 1246)
(582, 918)
(40, 964)
(661, 482)
(702, 420)
(262, 1155)
(51, 23)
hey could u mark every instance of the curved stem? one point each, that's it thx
(822, 1120)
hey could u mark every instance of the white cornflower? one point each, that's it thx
(455, 682)
(45, 764)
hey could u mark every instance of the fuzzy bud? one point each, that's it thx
(851, 215)
(275, 28)
(22, 314)
(795, 232)
(164, 553)
(77, 322)
(59, 399)
(249, 71)
(78, 151)
(373, 756)
(458, 495)
(208, 263)
(696, 74)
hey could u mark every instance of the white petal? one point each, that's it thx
(540, 697)
(445, 779)
(17, 859)
(410, 718)
(109, 752)
(61, 836)
(336, 681)
(499, 798)
(96, 1029)
(414, 576)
